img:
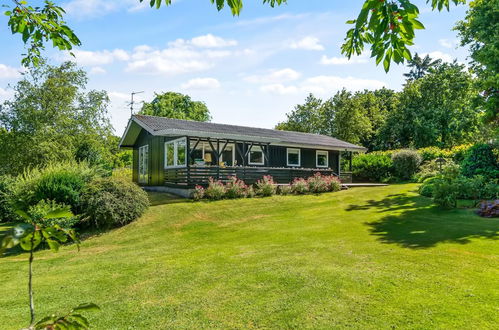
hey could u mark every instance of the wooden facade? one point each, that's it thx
(274, 164)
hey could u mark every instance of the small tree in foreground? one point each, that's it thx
(38, 231)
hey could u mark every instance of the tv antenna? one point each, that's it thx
(132, 101)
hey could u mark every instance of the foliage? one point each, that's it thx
(480, 160)
(299, 186)
(284, 190)
(39, 25)
(112, 202)
(71, 320)
(428, 186)
(250, 192)
(388, 26)
(406, 163)
(373, 166)
(333, 183)
(176, 105)
(198, 193)
(445, 193)
(61, 182)
(265, 186)
(420, 66)
(51, 118)
(6, 211)
(432, 168)
(435, 110)
(123, 173)
(317, 184)
(479, 31)
(37, 213)
(215, 190)
(235, 188)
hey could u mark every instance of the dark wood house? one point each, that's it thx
(182, 153)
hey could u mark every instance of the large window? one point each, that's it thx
(255, 156)
(143, 164)
(176, 153)
(293, 157)
(322, 158)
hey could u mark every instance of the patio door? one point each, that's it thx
(144, 164)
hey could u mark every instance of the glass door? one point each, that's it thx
(143, 164)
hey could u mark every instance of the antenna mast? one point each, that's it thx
(132, 102)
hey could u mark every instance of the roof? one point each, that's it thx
(161, 126)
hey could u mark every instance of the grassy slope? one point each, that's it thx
(363, 258)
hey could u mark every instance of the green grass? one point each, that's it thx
(363, 258)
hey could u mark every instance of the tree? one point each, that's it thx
(435, 110)
(420, 66)
(480, 31)
(388, 26)
(176, 105)
(50, 118)
(305, 117)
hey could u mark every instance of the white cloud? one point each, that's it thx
(439, 55)
(269, 19)
(204, 41)
(307, 43)
(344, 60)
(448, 43)
(7, 72)
(274, 76)
(201, 84)
(97, 58)
(97, 70)
(324, 85)
(279, 89)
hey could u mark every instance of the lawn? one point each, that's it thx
(364, 258)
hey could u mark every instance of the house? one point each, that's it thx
(181, 153)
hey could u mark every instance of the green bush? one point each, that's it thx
(6, 211)
(480, 160)
(215, 190)
(198, 193)
(235, 188)
(373, 167)
(406, 163)
(428, 186)
(299, 186)
(40, 210)
(317, 184)
(266, 186)
(333, 183)
(431, 169)
(61, 182)
(490, 191)
(284, 190)
(430, 153)
(111, 202)
(445, 193)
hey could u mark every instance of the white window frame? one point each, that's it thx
(175, 153)
(321, 152)
(288, 150)
(249, 156)
(143, 169)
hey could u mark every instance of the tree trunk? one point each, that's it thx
(30, 285)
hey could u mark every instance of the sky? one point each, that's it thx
(249, 70)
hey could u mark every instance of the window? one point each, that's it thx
(293, 157)
(176, 153)
(321, 158)
(255, 156)
(143, 164)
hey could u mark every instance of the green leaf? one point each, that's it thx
(417, 24)
(59, 213)
(23, 214)
(54, 245)
(386, 63)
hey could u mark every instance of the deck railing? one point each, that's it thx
(190, 176)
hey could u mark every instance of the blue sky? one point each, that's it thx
(250, 70)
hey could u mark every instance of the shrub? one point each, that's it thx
(124, 173)
(235, 188)
(265, 186)
(445, 193)
(215, 190)
(40, 210)
(490, 191)
(61, 182)
(250, 192)
(373, 166)
(469, 188)
(431, 169)
(112, 202)
(198, 193)
(317, 184)
(406, 163)
(480, 160)
(6, 211)
(284, 190)
(299, 186)
(430, 153)
(459, 152)
(333, 183)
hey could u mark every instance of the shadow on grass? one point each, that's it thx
(419, 224)
(160, 198)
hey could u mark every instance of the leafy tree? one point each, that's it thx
(176, 105)
(480, 31)
(436, 110)
(388, 26)
(305, 117)
(51, 118)
(420, 66)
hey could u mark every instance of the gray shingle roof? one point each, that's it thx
(160, 124)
